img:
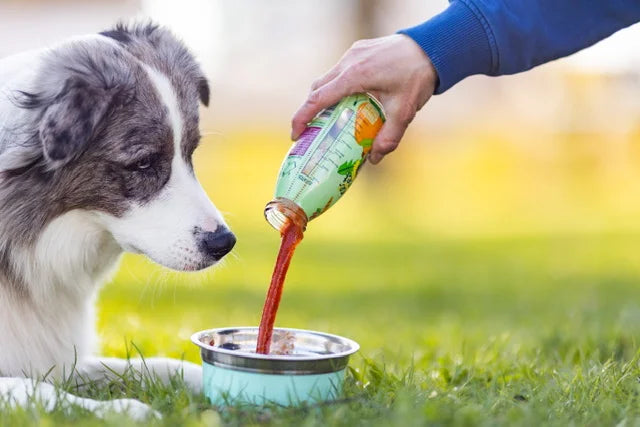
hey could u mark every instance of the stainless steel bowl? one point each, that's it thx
(233, 371)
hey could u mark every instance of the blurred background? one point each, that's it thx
(511, 209)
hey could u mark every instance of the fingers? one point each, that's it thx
(327, 77)
(391, 133)
(319, 99)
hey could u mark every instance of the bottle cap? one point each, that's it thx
(280, 211)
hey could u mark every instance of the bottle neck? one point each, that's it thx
(281, 211)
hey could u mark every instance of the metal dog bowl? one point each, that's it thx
(233, 372)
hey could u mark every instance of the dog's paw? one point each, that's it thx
(192, 375)
(133, 408)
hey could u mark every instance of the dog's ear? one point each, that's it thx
(70, 121)
(203, 91)
(163, 45)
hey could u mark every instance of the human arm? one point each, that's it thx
(510, 36)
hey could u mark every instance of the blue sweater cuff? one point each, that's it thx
(459, 43)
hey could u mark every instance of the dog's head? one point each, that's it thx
(116, 124)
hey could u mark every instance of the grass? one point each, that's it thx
(530, 330)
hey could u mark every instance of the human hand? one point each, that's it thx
(394, 69)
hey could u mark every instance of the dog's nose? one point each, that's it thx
(216, 244)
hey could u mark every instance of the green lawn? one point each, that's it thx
(524, 330)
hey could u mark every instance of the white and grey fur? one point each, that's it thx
(96, 138)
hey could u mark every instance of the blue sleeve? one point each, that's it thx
(496, 37)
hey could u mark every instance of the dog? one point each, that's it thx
(96, 140)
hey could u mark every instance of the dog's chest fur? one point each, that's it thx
(53, 325)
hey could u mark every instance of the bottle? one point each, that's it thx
(322, 164)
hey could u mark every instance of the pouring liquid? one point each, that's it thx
(292, 234)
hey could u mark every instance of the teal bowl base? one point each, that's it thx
(226, 386)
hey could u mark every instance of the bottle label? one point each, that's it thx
(304, 142)
(325, 160)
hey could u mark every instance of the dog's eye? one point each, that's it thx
(144, 163)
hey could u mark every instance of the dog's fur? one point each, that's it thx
(96, 138)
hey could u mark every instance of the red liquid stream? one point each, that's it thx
(291, 236)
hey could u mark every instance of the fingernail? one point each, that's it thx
(375, 158)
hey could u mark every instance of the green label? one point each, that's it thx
(324, 161)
